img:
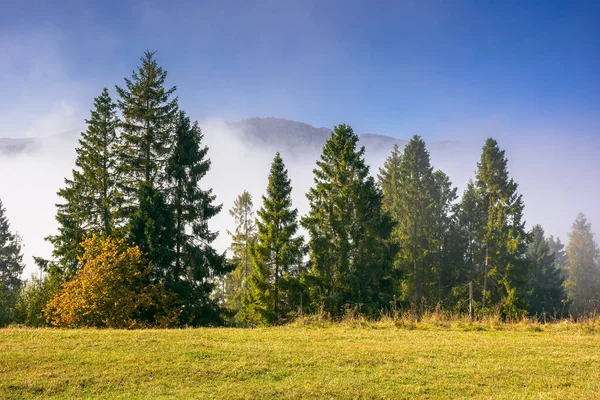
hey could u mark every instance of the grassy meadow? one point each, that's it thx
(306, 360)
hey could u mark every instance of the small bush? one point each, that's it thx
(34, 296)
(112, 290)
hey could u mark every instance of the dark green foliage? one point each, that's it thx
(547, 294)
(583, 270)
(469, 243)
(92, 202)
(149, 114)
(444, 254)
(416, 213)
(351, 255)
(472, 220)
(276, 254)
(389, 181)
(11, 267)
(152, 229)
(195, 262)
(560, 256)
(504, 237)
(421, 202)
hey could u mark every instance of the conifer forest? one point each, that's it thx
(135, 248)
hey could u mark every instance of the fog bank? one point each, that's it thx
(557, 178)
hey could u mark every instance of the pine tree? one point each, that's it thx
(152, 230)
(149, 114)
(504, 235)
(92, 201)
(236, 282)
(196, 265)
(546, 285)
(560, 256)
(148, 139)
(351, 256)
(583, 283)
(11, 268)
(389, 181)
(416, 215)
(471, 226)
(443, 250)
(277, 252)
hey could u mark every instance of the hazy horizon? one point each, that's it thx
(540, 169)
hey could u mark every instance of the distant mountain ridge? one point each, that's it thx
(295, 137)
(290, 137)
(16, 145)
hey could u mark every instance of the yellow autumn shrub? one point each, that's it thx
(112, 290)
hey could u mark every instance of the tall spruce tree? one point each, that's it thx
(560, 256)
(545, 283)
(389, 181)
(148, 137)
(149, 111)
(196, 264)
(236, 283)
(416, 216)
(583, 282)
(276, 254)
(152, 229)
(443, 251)
(92, 201)
(351, 256)
(471, 223)
(11, 268)
(504, 235)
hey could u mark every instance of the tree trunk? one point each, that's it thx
(485, 274)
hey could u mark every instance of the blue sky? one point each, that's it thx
(444, 69)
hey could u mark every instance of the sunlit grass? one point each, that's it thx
(351, 359)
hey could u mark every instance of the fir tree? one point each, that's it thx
(236, 282)
(583, 283)
(560, 256)
(471, 223)
(444, 253)
(504, 235)
(152, 230)
(11, 267)
(547, 293)
(92, 201)
(416, 215)
(196, 264)
(148, 136)
(350, 253)
(277, 252)
(149, 112)
(389, 181)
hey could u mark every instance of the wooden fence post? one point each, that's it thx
(471, 310)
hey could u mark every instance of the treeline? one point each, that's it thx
(134, 248)
(405, 241)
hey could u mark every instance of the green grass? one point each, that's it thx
(361, 360)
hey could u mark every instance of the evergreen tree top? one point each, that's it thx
(145, 96)
(11, 259)
(341, 160)
(492, 171)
